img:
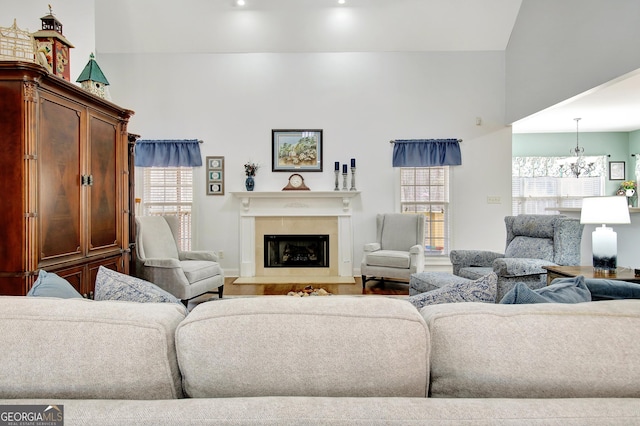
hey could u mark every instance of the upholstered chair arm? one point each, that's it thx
(417, 249)
(198, 255)
(162, 263)
(416, 253)
(464, 258)
(519, 267)
(372, 247)
(166, 274)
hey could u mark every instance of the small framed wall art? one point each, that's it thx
(296, 150)
(215, 175)
(616, 170)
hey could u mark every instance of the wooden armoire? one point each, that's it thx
(64, 185)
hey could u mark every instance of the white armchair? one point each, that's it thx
(399, 248)
(185, 274)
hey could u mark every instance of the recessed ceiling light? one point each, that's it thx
(240, 2)
(342, 1)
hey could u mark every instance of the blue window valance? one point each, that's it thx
(426, 153)
(168, 153)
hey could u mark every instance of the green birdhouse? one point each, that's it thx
(93, 80)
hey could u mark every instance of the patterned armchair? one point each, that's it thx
(533, 241)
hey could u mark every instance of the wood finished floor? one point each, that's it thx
(390, 288)
(371, 287)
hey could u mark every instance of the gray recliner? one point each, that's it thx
(533, 241)
(399, 248)
(185, 274)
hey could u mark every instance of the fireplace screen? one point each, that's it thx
(291, 251)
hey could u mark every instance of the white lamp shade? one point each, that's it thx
(605, 210)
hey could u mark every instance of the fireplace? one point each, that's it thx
(296, 251)
(294, 213)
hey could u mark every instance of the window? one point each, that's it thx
(539, 195)
(426, 190)
(540, 184)
(169, 191)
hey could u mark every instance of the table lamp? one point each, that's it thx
(605, 210)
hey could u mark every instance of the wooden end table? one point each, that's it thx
(620, 274)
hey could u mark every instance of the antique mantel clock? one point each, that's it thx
(296, 183)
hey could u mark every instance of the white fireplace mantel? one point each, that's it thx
(295, 204)
(295, 198)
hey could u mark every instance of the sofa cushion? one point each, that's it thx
(389, 258)
(82, 349)
(112, 285)
(481, 290)
(49, 284)
(530, 248)
(311, 346)
(533, 225)
(197, 270)
(543, 350)
(327, 411)
(475, 272)
(562, 290)
(602, 289)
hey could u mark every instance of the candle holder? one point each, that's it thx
(344, 181)
(337, 188)
(353, 179)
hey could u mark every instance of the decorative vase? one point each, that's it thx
(249, 183)
(631, 198)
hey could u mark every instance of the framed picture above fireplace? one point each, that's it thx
(296, 150)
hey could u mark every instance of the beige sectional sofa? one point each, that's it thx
(280, 360)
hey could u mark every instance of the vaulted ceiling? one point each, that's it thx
(221, 26)
(141, 26)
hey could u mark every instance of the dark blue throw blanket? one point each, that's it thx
(573, 290)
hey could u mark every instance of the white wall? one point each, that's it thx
(360, 100)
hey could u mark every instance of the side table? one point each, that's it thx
(554, 272)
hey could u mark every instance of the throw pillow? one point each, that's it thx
(112, 285)
(603, 289)
(49, 284)
(483, 289)
(561, 290)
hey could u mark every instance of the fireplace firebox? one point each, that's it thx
(292, 251)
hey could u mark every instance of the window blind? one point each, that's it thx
(426, 190)
(169, 191)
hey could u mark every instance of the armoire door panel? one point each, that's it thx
(74, 276)
(59, 180)
(114, 264)
(103, 206)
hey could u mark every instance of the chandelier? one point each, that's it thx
(580, 165)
